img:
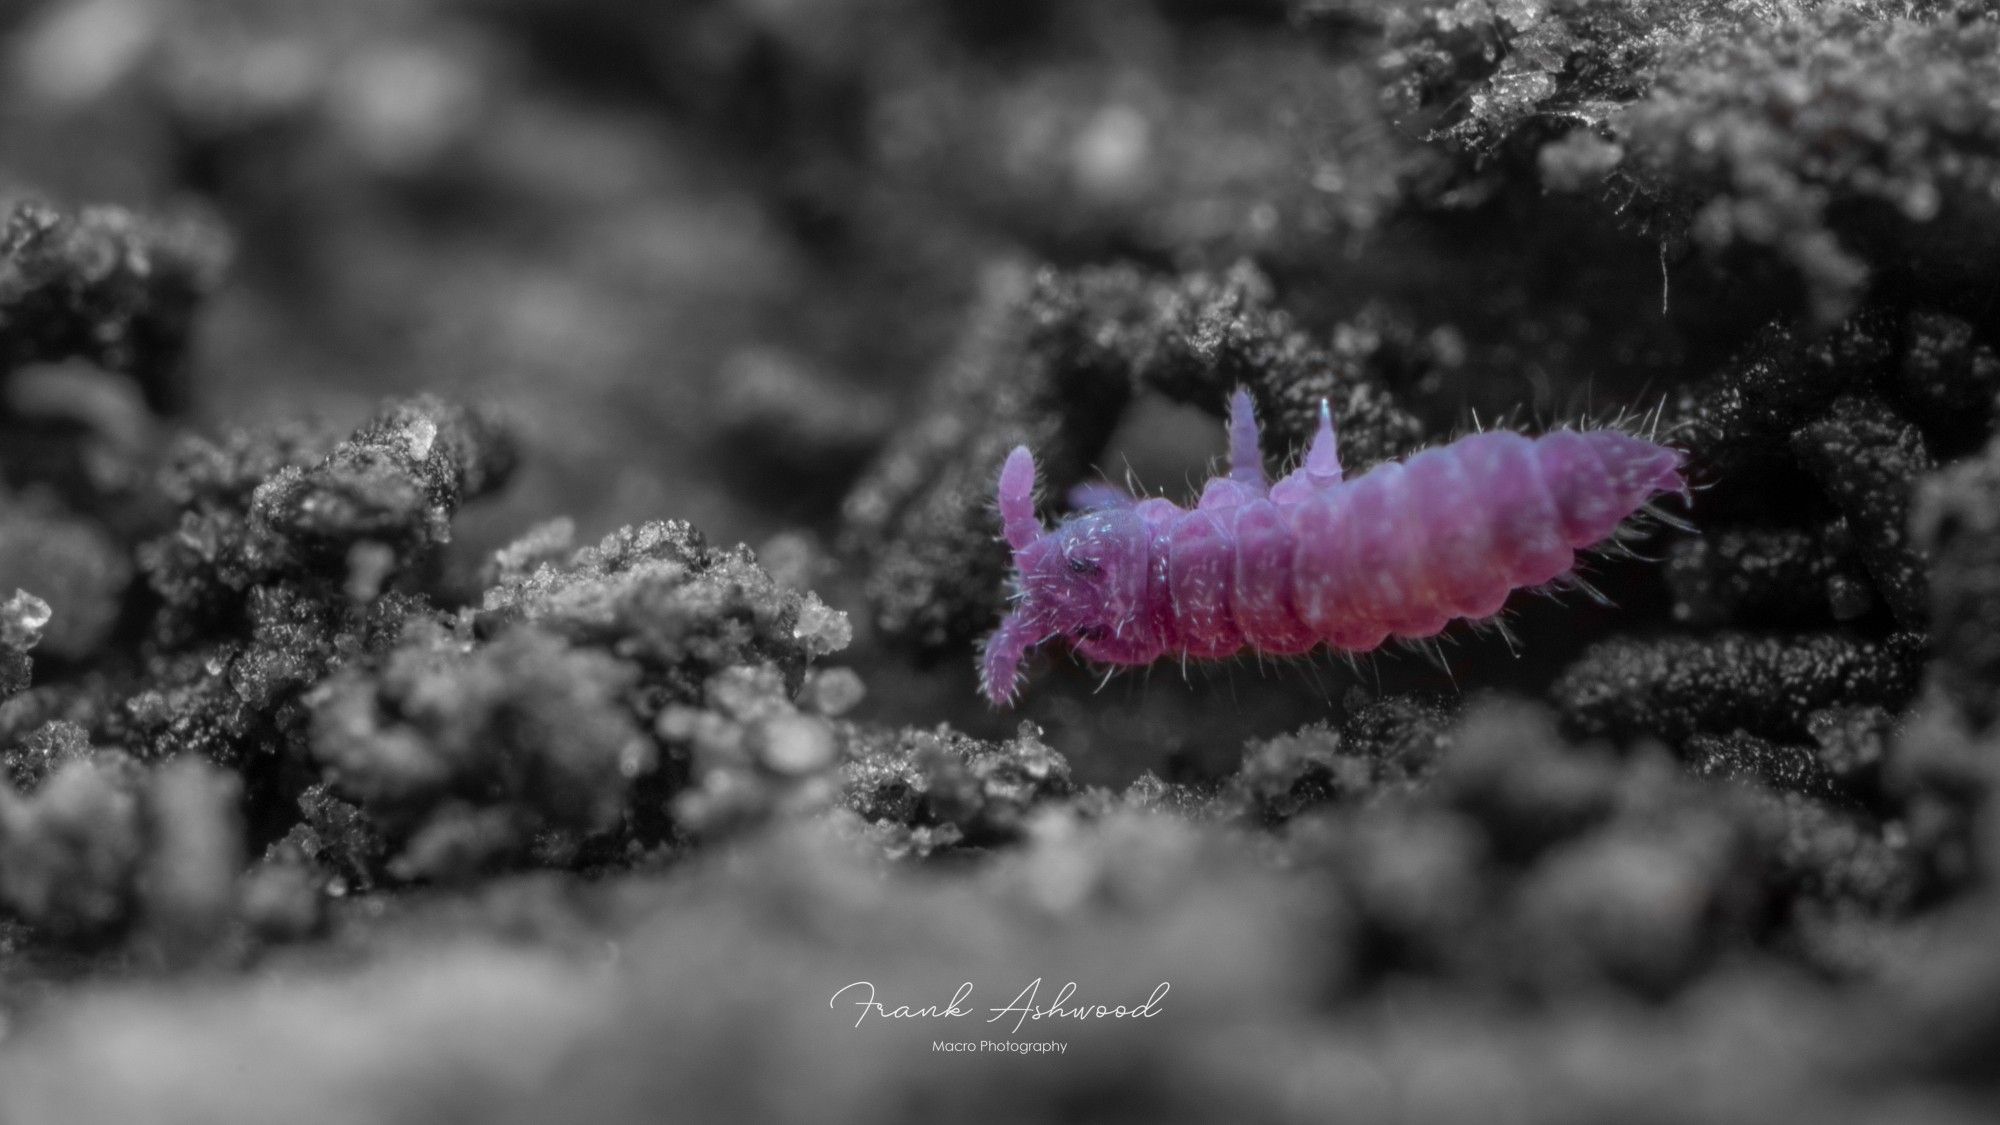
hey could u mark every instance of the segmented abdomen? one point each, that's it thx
(1403, 549)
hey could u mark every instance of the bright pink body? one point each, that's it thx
(1281, 569)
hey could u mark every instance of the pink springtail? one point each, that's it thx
(1315, 559)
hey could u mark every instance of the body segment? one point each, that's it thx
(1261, 594)
(1316, 558)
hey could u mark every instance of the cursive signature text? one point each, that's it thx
(865, 1000)
(864, 996)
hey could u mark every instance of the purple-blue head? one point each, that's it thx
(1084, 581)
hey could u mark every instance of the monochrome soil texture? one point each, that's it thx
(497, 525)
